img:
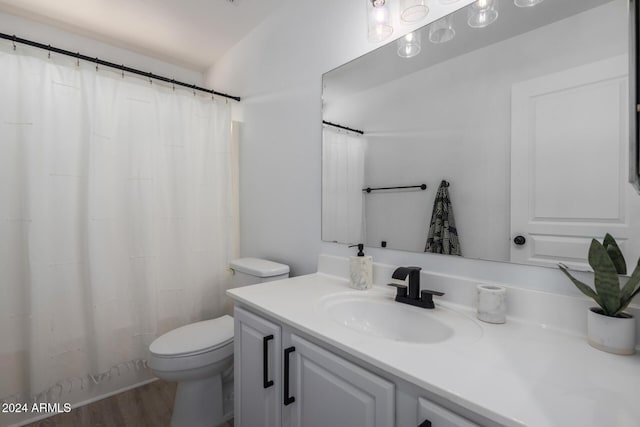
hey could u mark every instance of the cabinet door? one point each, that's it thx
(432, 415)
(330, 391)
(257, 371)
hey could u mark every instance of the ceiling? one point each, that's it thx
(190, 33)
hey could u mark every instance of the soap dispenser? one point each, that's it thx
(361, 269)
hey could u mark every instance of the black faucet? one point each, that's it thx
(401, 273)
(415, 297)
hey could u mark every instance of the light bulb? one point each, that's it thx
(378, 21)
(413, 10)
(441, 31)
(380, 15)
(482, 13)
(526, 3)
(409, 45)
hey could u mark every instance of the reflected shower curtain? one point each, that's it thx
(342, 182)
(115, 220)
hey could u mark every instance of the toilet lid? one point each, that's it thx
(259, 267)
(195, 338)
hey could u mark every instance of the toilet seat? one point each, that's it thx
(195, 338)
(193, 346)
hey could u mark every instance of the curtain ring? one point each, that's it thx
(49, 54)
(173, 85)
(77, 59)
(14, 42)
(194, 90)
(122, 69)
(97, 64)
(150, 78)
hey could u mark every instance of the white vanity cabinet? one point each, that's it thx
(303, 384)
(330, 391)
(432, 415)
(257, 371)
(284, 380)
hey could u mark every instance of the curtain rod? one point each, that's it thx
(342, 127)
(98, 61)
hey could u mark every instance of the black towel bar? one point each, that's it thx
(369, 189)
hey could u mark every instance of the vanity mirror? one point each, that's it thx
(527, 119)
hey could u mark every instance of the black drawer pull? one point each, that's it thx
(266, 382)
(288, 400)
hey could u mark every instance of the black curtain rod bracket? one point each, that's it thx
(421, 187)
(121, 67)
(342, 127)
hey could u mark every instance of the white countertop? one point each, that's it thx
(515, 374)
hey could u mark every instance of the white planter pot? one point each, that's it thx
(611, 334)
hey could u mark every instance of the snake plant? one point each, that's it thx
(607, 262)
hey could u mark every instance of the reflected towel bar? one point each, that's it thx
(369, 189)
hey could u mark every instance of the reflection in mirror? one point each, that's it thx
(527, 119)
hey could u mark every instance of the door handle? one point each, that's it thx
(519, 240)
(266, 382)
(288, 400)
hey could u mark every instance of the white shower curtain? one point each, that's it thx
(343, 212)
(116, 219)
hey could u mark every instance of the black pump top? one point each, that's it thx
(360, 248)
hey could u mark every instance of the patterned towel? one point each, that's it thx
(443, 235)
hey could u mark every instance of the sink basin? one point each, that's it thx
(376, 313)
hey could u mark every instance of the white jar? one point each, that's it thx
(492, 304)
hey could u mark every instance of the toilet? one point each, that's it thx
(199, 356)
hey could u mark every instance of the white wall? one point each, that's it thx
(32, 30)
(277, 69)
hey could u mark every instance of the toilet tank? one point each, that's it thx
(249, 271)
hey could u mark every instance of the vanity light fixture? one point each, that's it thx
(526, 3)
(409, 45)
(379, 26)
(379, 22)
(482, 13)
(413, 10)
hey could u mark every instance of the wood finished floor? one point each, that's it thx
(150, 405)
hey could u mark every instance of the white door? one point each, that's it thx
(257, 385)
(330, 391)
(569, 151)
